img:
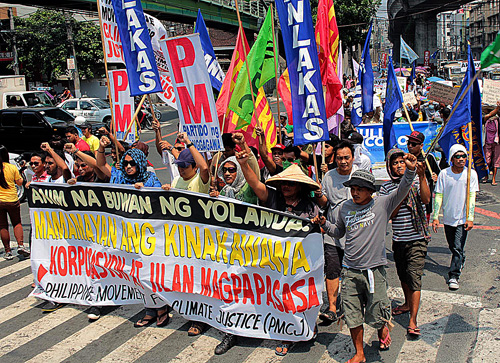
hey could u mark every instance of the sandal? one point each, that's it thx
(328, 316)
(144, 322)
(385, 343)
(413, 332)
(398, 310)
(164, 318)
(285, 348)
(195, 329)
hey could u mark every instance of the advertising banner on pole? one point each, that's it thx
(308, 104)
(193, 91)
(240, 268)
(427, 58)
(123, 105)
(137, 50)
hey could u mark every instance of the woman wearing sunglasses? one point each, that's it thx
(133, 171)
(235, 184)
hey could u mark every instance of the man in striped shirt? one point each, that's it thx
(410, 235)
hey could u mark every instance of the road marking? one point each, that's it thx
(201, 350)
(140, 344)
(16, 285)
(476, 226)
(11, 269)
(439, 298)
(19, 307)
(37, 328)
(487, 344)
(487, 213)
(74, 343)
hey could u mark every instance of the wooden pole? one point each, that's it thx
(412, 129)
(276, 60)
(316, 162)
(469, 167)
(134, 118)
(246, 55)
(112, 124)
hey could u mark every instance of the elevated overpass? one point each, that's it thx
(416, 21)
(220, 14)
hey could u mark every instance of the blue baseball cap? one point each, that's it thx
(185, 159)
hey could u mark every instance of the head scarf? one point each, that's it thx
(230, 190)
(141, 176)
(390, 155)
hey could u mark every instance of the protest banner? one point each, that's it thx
(137, 50)
(111, 36)
(409, 98)
(427, 58)
(240, 268)
(193, 91)
(442, 93)
(308, 104)
(380, 86)
(123, 105)
(373, 140)
(491, 92)
(402, 83)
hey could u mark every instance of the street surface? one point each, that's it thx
(459, 326)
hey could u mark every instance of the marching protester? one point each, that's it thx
(86, 164)
(10, 207)
(286, 130)
(37, 164)
(410, 234)
(451, 191)
(363, 221)
(56, 165)
(361, 160)
(492, 143)
(73, 137)
(90, 139)
(272, 165)
(334, 192)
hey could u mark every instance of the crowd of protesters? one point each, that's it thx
(336, 190)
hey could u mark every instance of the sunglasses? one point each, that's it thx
(50, 163)
(82, 165)
(460, 156)
(129, 162)
(413, 143)
(230, 170)
(34, 163)
(179, 148)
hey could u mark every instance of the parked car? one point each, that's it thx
(24, 129)
(92, 109)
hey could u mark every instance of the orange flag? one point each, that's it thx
(327, 39)
(286, 94)
(262, 111)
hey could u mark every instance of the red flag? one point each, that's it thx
(286, 94)
(327, 39)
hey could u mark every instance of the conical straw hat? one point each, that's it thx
(292, 173)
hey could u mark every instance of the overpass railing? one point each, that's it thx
(254, 8)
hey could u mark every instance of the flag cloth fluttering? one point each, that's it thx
(363, 98)
(286, 94)
(393, 101)
(327, 40)
(491, 54)
(407, 52)
(261, 64)
(469, 110)
(413, 74)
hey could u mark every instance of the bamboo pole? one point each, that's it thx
(134, 118)
(112, 125)
(315, 160)
(276, 60)
(469, 167)
(412, 129)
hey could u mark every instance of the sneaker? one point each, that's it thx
(227, 343)
(453, 284)
(94, 313)
(51, 306)
(8, 256)
(23, 251)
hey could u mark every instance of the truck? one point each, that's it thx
(13, 93)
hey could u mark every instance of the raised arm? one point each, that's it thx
(396, 197)
(71, 148)
(112, 140)
(264, 154)
(252, 179)
(198, 158)
(102, 164)
(59, 161)
(239, 139)
(425, 192)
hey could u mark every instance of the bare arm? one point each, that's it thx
(101, 162)
(239, 139)
(59, 161)
(494, 112)
(425, 192)
(198, 158)
(264, 155)
(252, 179)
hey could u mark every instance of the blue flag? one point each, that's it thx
(308, 104)
(393, 101)
(413, 74)
(214, 70)
(142, 71)
(407, 52)
(363, 98)
(469, 110)
(434, 55)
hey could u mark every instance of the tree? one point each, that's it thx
(43, 46)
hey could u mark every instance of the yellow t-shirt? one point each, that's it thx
(11, 174)
(93, 142)
(195, 184)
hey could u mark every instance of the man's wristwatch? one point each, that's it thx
(189, 145)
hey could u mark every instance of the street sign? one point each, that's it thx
(427, 58)
(71, 63)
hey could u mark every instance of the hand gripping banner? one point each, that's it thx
(241, 268)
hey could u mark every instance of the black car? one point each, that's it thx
(24, 129)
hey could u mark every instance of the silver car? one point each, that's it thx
(92, 109)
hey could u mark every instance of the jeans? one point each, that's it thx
(456, 237)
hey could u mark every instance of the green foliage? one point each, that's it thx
(43, 46)
(351, 12)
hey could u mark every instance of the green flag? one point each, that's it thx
(262, 69)
(491, 55)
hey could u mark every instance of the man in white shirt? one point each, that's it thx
(451, 189)
(361, 160)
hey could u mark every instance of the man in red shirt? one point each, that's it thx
(73, 137)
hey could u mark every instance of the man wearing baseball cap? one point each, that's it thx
(363, 221)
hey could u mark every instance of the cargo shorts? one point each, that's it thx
(410, 262)
(359, 305)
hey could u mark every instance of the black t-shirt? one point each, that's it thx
(428, 176)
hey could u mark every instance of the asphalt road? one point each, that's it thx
(459, 326)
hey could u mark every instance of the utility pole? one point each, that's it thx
(76, 75)
(14, 49)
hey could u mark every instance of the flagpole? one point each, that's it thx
(246, 56)
(276, 60)
(112, 125)
(412, 129)
(134, 118)
(469, 167)
(441, 130)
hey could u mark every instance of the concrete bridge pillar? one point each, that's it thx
(425, 34)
